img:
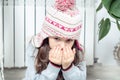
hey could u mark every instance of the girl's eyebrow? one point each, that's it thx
(53, 36)
(61, 38)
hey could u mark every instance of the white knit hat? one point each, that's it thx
(62, 20)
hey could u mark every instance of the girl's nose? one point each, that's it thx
(62, 44)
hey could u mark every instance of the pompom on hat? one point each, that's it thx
(62, 20)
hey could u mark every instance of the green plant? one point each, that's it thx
(113, 9)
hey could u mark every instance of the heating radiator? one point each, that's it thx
(20, 19)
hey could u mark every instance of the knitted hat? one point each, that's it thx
(62, 20)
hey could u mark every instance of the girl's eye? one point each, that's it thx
(69, 40)
(56, 38)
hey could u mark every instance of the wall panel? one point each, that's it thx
(8, 34)
(30, 28)
(40, 14)
(19, 33)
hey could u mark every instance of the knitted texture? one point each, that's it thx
(62, 20)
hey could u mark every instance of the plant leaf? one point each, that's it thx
(101, 21)
(118, 25)
(104, 28)
(115, 8)
(99, 7)
(115, 17)
(107, 3)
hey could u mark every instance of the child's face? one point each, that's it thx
(62, 42)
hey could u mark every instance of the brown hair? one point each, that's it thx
(42, 58)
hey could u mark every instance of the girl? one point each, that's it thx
(55, 53)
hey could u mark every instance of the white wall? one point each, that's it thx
(104, 48)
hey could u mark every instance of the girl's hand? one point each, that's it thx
(55, 55)
(67, 57)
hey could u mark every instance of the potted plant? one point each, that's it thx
(113, 9)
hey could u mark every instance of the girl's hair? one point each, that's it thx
(42, 60)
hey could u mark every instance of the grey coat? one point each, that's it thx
(51, 72)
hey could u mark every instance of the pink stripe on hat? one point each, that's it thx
(61, 26)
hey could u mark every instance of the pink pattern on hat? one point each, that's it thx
(61, 26)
